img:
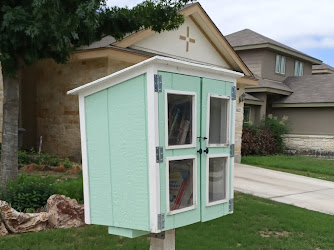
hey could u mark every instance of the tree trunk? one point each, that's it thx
(9, 151)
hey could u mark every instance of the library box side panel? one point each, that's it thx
(96, 112)
(127, 112)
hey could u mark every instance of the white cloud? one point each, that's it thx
(302, 24)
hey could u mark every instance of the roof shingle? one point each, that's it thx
(310, 89)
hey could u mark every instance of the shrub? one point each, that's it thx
(72, 188)
(28, 192)
(265, 139)
(42, 159)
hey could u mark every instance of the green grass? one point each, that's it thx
(256, 224)
(302, 165)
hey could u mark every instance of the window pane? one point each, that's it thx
(301, 69)
(218, 121)
(278, 59)
(296, 68)
(181, 184)
(283, 65)
(217, 179)
(247, 111)
(180, 119)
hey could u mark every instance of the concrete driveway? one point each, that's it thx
(301, 191)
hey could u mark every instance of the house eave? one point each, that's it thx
(303, 105)
(267, 90)
(310, 59)
(253, 102)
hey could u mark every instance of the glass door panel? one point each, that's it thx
(216, 121)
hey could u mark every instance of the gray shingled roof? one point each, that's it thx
(310, 89)
(323, 66)
(272, 84)
(251, 98)
(249, 37)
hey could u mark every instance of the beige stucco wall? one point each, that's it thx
(308, 121)
(311, 145)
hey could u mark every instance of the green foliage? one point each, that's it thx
(72, 188)
(279, 128)
(28, 192)
(31, 30)
(26, 158)
(303, 165)
(265, 139)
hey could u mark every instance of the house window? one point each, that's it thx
(299, 68)
(247, 114)
(280, 64)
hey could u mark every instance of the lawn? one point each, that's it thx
(256, 224)
(302, 165)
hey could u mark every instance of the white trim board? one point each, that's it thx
(102, 83)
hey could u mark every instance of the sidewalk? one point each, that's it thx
(301, 191)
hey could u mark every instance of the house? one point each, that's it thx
(48, 114)
(291, 84)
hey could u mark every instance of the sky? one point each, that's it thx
(305, 25)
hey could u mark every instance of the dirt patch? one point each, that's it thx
(275, 234)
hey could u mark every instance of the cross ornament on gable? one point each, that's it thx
(187, 39)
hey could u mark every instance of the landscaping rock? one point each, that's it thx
(64, 212)
(60, 169)
(3, 229)
(73, 170)
(44, 168)
(17, 222)
(31, 167)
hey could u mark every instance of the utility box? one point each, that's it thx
(158, 146)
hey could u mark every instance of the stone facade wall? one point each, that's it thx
(57, 114)
(310, 145)
(238, 125)
(49, 112)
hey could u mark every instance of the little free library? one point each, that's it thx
(159, 137)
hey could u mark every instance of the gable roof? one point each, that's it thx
(309, 89)
(197, 14)
(249, 39)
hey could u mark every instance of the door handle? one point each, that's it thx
(206, 150)
(200, 151)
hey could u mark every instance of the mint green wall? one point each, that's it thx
(118, 159)
(97, 133)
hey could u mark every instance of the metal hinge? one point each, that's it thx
(157, 83)
(231, 205)
(161, 221)
(234, 93)
(232, 150)
(159, 153)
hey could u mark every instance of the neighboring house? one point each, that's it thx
(47, 111)
(293, 84)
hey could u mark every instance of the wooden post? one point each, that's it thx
(163, 243)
